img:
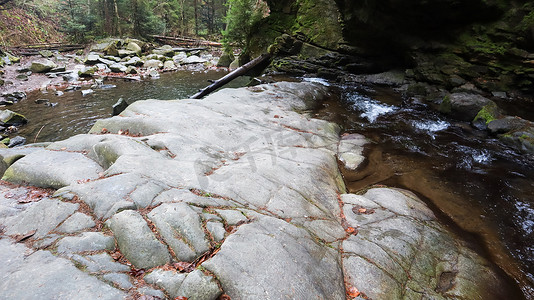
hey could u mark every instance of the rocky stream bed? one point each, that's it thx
(238, 195)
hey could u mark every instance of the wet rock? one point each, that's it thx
(41, 101)
(487, 114)
(119, 107)
(87, 92)
(136, 241)
(73, 76)
(153, 63)
(181, 228)
(16, 141)
(87, 241)
(53, 169)
(350, 150)
(15, 96)
(76, 222)
(59, 93)
(9, 118)
(43, 217)
(22, 77)
(36, 276)
(506, 124)
(463, 106)
(42, 66)
(401, 249)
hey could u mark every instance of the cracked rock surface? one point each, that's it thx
(236, 194)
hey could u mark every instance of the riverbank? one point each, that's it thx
(238, 194)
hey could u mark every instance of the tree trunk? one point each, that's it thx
(232, 75)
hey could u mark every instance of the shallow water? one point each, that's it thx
(74, 114)
(480, 188)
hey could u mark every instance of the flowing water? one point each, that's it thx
(478, 187)
(481, 189)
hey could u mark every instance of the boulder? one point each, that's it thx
(169, 65)
(92, 59)
(506, 124)
(42, 66)
(463, 106)
(488, 113)
(134, 61)
(111, 49)
(153, 63)
(132, 46)
(15, 96)
(193, 59)
(9, 118)
(225, 60)
(87, 71)
(16, 141)
(119, 107)
(125, 53)
(118, 68)
(165, 50)
(46, 53)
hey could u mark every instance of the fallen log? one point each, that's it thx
(232, 75)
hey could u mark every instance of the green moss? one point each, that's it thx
(482, 43)
(445, 106)
(488, 113)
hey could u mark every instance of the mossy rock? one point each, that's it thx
(8, 117)
(487, 114)
(445, 105)
(226, 59)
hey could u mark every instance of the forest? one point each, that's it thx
(87, 20)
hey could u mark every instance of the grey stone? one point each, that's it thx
(464, 106)
(106, 196)
(46, 242)
(119, 107)
(350, 150)
(41, 275)
(42, 216)
(153, 63)
(146, 291)
(76, 222)
(125, 53)
(46, 53)
(166, 280)
(121, 281)
(507, 124)
(100, 263)
(92, 59)
(52, 169)
(401, 249)
(134, 62)
(132, 46)
(86, 241)
(85, 72)
(217, 230)
(198, 286)
(193, 59)
(8, 117)
(42, 66)
(16, 141)
(231, 217)
(118, 68)
(286, 251)
(136, 241)
(87, 92)
(106, 61)
(169, 65)
(107, 151)
(181, 228)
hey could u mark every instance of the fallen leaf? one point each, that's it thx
(21, 237)
(184, 266)
(360, 210)
(350, 230)
(224, 297)
(181, 298)
(353, 292)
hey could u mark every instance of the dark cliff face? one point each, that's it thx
(487, 42)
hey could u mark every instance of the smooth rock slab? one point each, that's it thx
(167, 280)
(100, 263)
(122, 281)
(41, 275)
(199, 286)
(52, 169)
(76, 222)
(43, 216)
(136, 241)
(181, 228)
(350, 150)
(272, 259)
(402, 252)
(87, 241)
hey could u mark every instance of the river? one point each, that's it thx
(479, 188)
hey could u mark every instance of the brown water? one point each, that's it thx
(74, 114)
(479, 188)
